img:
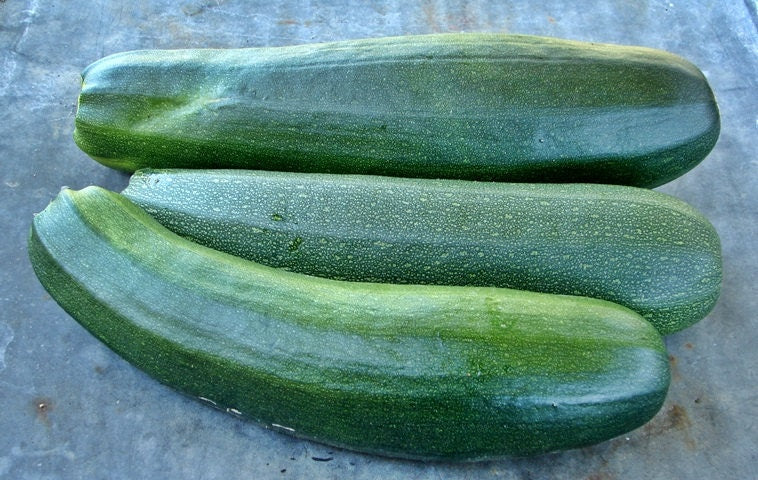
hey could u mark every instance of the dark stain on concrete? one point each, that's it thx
(43, 406)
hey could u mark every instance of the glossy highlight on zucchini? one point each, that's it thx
(469, 106)
(642, 249)
(427, 372)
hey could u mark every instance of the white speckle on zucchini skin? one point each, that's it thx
(643, 249)
(288, 429)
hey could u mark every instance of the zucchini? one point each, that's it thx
(469, 106)
(642, 249)
(428, 372)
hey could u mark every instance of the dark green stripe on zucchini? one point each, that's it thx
(470, 106)
(645, 250)
(430, 372)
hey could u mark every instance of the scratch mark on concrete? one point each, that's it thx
(31, 14)
(6, 337)
(9, 64)
(7, 71)
(60, 451)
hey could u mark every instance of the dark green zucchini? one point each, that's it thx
(642, 249)
(430, 372)
(469, 106)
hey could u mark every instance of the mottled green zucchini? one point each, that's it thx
(470, 106)
(643, 249)
(431, 372)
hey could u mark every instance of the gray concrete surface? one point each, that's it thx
(72, 409)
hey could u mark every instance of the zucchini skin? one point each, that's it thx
(642, 249)
(424, 372)
(468, 106)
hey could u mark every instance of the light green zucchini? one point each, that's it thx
(642, 249)
(430, 372)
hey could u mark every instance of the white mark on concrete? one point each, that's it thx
(6, 337)
(9, 64)
(61, 451)
(5, 466)
(31, 14)
(7, 70)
